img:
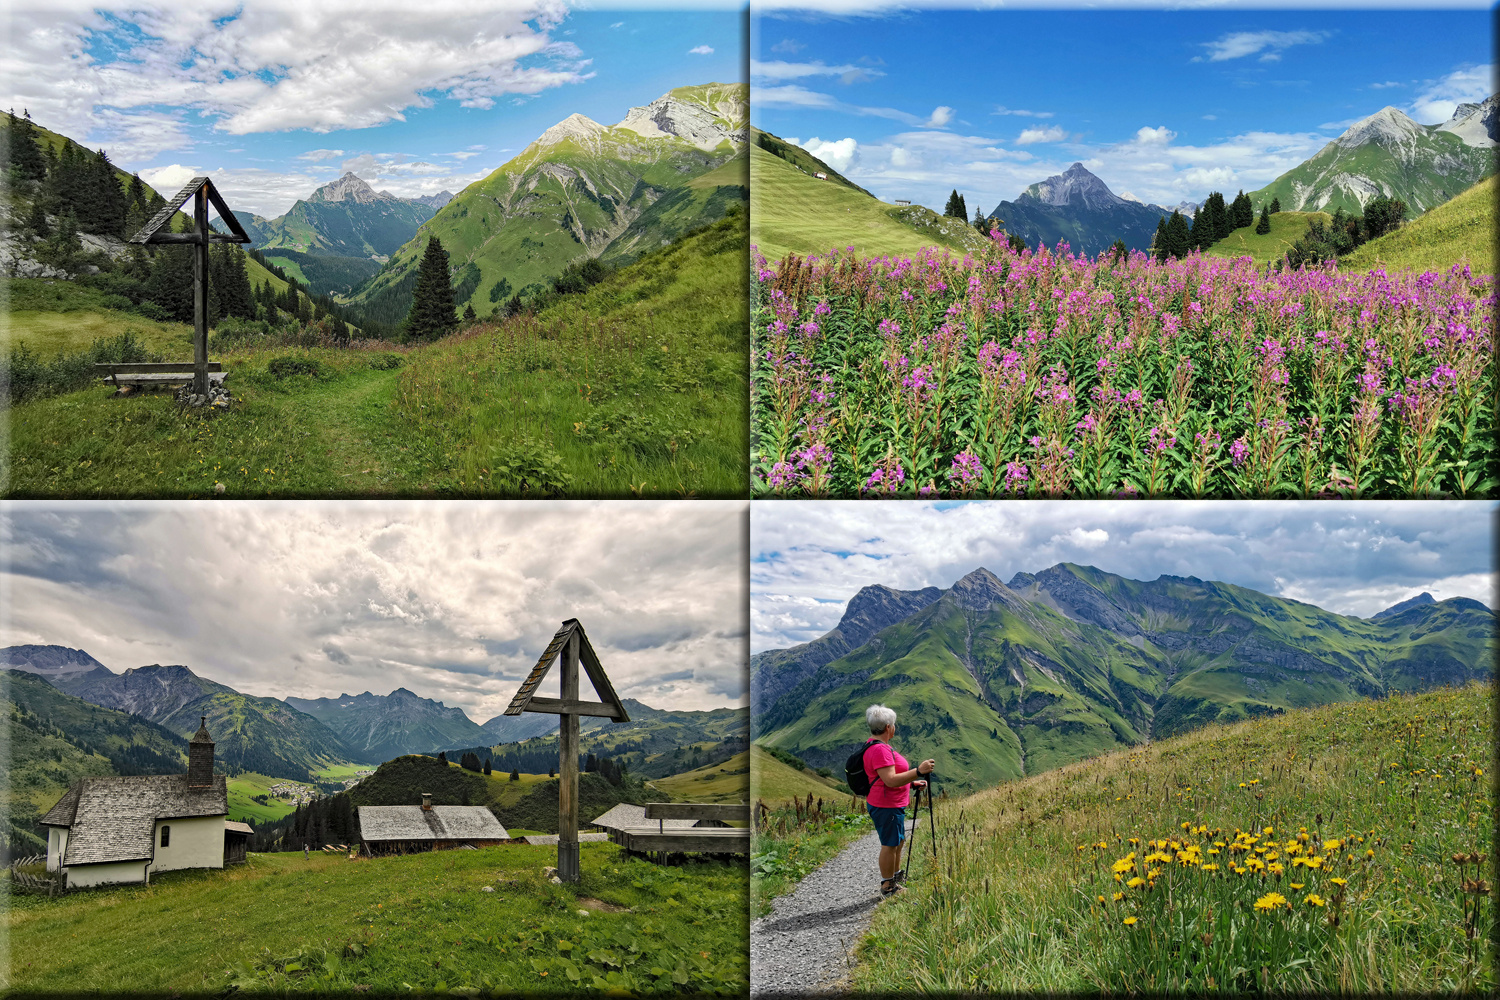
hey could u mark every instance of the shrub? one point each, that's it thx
(531, 467)
(386, 361)
(26, 376)
(293, 365)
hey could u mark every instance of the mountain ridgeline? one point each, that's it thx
(1078, 207)
(582, 190)
(998, 681)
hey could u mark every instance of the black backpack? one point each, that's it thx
(854, 770)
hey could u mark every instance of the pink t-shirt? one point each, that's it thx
(881, 755)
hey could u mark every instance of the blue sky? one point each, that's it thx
(274, 97)
(809, 557)
(452, 600)
(1163, 105)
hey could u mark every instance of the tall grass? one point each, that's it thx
(1337, 849)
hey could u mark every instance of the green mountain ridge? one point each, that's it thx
(346, 218)
(582, 190)
(999, 681)
(1386, 154)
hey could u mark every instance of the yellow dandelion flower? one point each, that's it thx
(1315, 862)
(1271, 901)
(1118, 896)
(1186, 825)
(1332, 845)
(1313, 899)
(1134, 841)
(1101, 899)
(1102, 845)
(1210, 868)
(1297, 885)
(1268, 831)
(1339, 881)
(1241, 871)
(1275, 868)
(1136, 882)
(1123, 865)
(1153, 873)
(1129, 921)
(1369, 854)
(1242, 784)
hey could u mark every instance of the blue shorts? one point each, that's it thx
(890, 825)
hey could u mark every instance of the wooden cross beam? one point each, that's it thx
(159, 230)
(571, 645)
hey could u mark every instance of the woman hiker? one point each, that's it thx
(889, 778)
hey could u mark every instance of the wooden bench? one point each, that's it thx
(155, 375)
(700, 839)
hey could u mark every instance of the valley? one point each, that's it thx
(1001, 681)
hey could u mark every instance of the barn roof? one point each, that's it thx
(626, 815)
(439, 823)
(230, 826)
(113, 819)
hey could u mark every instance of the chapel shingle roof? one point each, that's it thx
(113, 819)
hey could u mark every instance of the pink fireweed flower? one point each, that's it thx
(1085, 425)
(1239, 451)
(810, 329)
(822, 309)
(784, 475)
(1162, 439)
(1016, 477)
(889, 328)
(966, 471)
(879, 482)
(816, 457)
(1443, 378)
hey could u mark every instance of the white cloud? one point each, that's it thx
(941, 115)
(1210, 118)
(1465, 85)
(1385, 86)
(809, 558)
(701, 50)
(1154, 136)
(788, 46)
(317, 155)
(275, 66)
(1051, 133)
(618, 24)
(1003, 110)
(454, 601)
(779, 70)
(838, 154)
(1238, 44)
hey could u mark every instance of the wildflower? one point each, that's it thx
(1271, 901)
(1210, 868)
(1238, 452)
(1313, 899)
(1129, 921)
(1118, 896)
(1339, 881)
(1101, 899)
(1297, 885)
(1136, 882)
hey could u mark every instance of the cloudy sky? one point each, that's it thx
(808, 558)
(274, 98)
(454, 601)
(1165, 106)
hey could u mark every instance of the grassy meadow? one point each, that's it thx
(1334, 849)
(793, 212)
(1462, 229)
(422, 922)
(1286, 229)
(726, 781)
(634, 388)
(242, 805)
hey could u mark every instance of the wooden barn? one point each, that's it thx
(413, 829)
(112, 830)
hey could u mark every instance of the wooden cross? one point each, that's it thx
(202, 191)
(572, 644)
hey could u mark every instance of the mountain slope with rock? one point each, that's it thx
(998, 680)
(1389, 154)
(344, 218)
(583, 189)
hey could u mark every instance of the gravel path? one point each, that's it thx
(806, 943)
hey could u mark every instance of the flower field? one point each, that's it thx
(1340, 849)
(1045, 373)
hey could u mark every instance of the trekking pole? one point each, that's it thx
(930, 821)
(916, 810)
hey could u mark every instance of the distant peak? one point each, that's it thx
(979, 589)
(1074, 186)
(1387, 126)
(575, 127)
(1411, 602)
(348, 188)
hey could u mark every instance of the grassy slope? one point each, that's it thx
(1460, 230)
(1014, 903)
(664, 339)
(242, 786)
(727, 781)
(1286, 228)
(419, 920)
(793, 212)
(773, 782)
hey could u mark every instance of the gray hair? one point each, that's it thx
(879, 718)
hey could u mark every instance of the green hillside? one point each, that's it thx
(625, 384)
(1280, 855)
(283, 924)
(725, 781)
(1286, 228)
(1460, 230)
(774, 782)
(998, 682)
(793, 212)
(344, 228)
(580, 190)
(800, 158)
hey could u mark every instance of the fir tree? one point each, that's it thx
(1159, 241)
(1241, 213)
(469, 315)
(432, 312)
(955, 207)
(515, 774)
(487, 760)
(22, 153)
(1178, 239)
(1275, 205)
(1264, 225)
(442, 756)
(36, 221)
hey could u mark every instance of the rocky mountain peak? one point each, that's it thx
(49, 661)
(349, 188)
(698, 123)
(1410, 602)
(1476, 124)
(578, 128)
(979, 589)
(1389, 127)
(1074, 186)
